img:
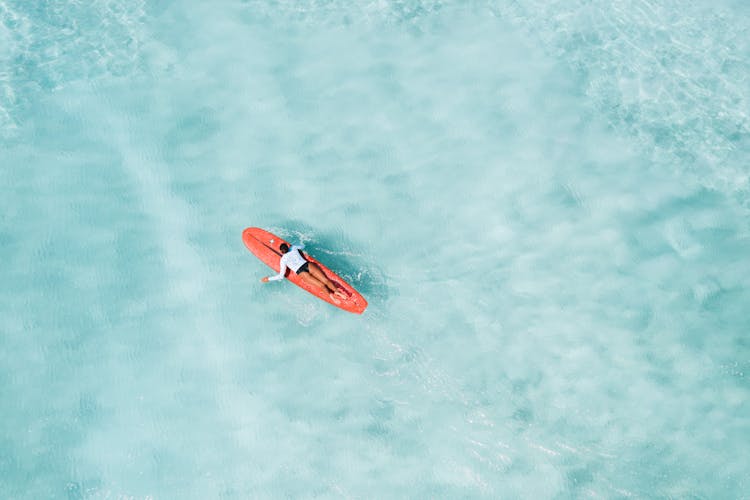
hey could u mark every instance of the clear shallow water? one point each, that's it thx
(545, 204)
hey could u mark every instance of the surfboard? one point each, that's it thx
(265, 245)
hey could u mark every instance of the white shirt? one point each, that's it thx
(293, 260)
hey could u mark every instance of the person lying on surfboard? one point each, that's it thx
(293, 259)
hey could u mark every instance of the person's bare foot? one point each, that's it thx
(342, 293)
(334, 299)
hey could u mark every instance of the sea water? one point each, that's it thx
(545, 203)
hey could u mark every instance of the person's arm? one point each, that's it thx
(280, 276)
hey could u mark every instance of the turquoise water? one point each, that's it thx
(546, 204)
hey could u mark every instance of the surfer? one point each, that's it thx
(293, 259)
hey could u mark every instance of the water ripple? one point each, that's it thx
(672, 75)
(46, 47)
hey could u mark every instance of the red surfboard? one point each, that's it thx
(265, 246)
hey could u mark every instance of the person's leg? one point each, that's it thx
(320, 276)
(309, 278)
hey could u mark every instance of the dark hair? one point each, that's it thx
(284, 248)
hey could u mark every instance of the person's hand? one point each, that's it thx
(264, 279)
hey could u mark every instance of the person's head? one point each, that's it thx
(284, 248)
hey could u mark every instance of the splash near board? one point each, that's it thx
(265, 246)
